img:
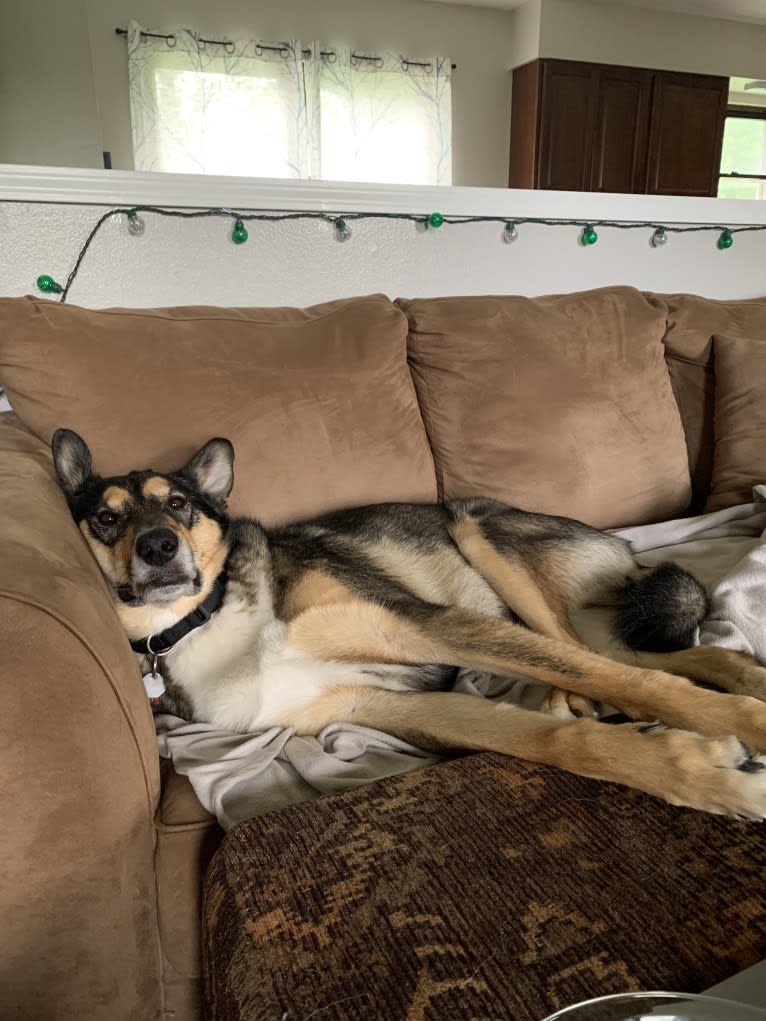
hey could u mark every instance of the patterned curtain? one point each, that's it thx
(288, 110)
(385, 118)
(199, 108)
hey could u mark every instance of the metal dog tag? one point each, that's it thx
(154, 683)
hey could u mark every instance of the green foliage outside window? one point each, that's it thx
(744, 152)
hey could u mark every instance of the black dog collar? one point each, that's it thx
(163, 641)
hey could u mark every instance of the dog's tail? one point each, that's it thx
(661, 610)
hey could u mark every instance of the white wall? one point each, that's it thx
(67, 78)
(46, 216)
(638, 37)
(48, 110)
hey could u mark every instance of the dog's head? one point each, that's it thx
(160, 540)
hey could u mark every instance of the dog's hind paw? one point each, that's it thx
(566, 705)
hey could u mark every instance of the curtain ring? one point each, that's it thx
(258, 50)
(201, 45)
(379, 62)
(284, 52)
(170, 41)
(330, 56)
(229, 46)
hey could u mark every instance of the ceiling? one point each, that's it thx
(734, 10)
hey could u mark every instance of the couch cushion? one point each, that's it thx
(692, 322)
(559, 404)
(740, 420)
(76, 840)
(318, 402)
(187, 837)
(483, 888)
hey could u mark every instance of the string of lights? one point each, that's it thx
(587, 236)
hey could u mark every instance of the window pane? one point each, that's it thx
(222, 124)
(382, 125)
(744, 146)
(741, 188)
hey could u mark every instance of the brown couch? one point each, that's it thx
(598, 405)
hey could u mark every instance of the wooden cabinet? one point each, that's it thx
(577, 126)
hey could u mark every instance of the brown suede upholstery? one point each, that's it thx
(739, 460)
(692, 321)
(559, 403)
(318, 402)
(187, 837)
(552, 404)
(78, 754)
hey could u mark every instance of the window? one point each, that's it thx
(287, 110)
(743, 158)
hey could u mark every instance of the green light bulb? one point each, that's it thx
(48, 285)
(435, 220)
(239, 235)
(589, 235)
(725, 240)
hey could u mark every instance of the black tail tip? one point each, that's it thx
(661, 611)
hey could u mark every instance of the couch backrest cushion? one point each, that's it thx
(318, 402)
(739, 460)
(692, 322)
(559, 404)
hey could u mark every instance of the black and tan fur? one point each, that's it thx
(364, 616)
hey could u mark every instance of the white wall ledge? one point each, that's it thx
(120, 188)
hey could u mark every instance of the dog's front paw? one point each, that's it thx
(718, 775)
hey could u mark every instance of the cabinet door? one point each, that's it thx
(686, 133)
(525, 123)
(567, 117)
(621, 130)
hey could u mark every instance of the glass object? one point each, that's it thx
(657, 1006)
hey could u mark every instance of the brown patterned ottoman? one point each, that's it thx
(482, 889)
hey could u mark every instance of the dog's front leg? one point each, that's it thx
(716, 775)
(421, 633)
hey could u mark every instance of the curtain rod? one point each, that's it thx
(284, 50)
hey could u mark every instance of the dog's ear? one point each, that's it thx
(212, 469)
(72, 460)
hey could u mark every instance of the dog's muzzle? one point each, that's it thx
(157, 547)
(162, 569)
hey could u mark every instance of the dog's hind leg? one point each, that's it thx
(534, 591)
(735, 672)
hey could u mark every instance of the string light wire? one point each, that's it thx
(340, 222)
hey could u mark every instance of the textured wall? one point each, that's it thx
(178, 262)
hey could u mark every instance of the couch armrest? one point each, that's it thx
(79, 761)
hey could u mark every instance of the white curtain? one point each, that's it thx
(385, 118)
(288, 109)
(199, 108)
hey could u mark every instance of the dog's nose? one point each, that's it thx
(158, 546)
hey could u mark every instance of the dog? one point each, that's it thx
(364, 616)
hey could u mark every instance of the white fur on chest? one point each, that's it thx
(240, 674)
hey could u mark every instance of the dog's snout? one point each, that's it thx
(158, 546)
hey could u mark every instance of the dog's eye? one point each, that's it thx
(106, 518)
(177, 502)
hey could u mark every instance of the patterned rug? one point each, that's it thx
(482, 889)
